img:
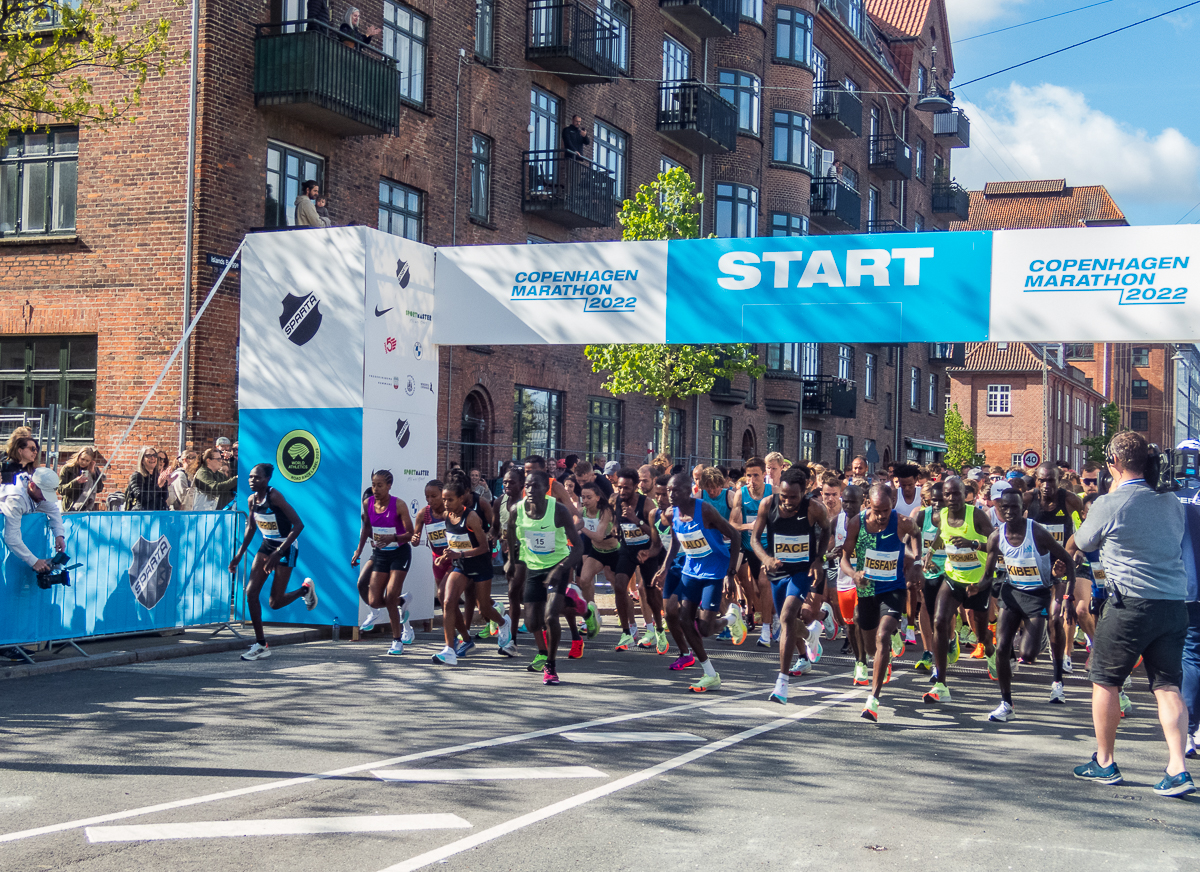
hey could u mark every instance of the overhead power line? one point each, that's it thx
(1034, 21)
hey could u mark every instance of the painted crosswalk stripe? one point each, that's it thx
(736, 711)
(489, 774)
(632, 737)
(280, 827)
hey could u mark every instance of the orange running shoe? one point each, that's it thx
(576, 649)
(980, 653)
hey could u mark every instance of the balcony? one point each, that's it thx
(834, 205)
(708, 19)
(953, 128)
(949, 353)
(576, 42)
(314, 76)
(886, 225)
(573, 192)
(891, 158)
(949, 198)
(696, 117)
(837, 113)
(725, 393)
(826, 395)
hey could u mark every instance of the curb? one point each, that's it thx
(146, 655)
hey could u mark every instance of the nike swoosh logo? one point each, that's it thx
(379, 314)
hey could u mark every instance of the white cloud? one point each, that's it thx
(1050, 132)
(966, 14)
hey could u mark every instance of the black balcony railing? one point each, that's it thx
(950, 198)
(570, 191)
(310, 71)
(827, 395)
(579, 43)
(891, 158)
(705, 18)
(697, 117)
(953, 128)
(886, 225)
(834, 205)
(837, 113)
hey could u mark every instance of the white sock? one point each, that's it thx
(708, 668)
(765, 635)
(782, 678)
(814, 630)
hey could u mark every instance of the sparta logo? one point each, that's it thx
(301, 317)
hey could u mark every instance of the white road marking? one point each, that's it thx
(384, 823)
(506, 773)
(632, 737)
(740, 711)
(492, 833)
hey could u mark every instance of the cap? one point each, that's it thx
(223, 440)
(46, 479)
(975, 471)
(998, 488)
(611, 467)
(1013, 475)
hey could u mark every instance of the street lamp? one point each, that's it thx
(932, 101)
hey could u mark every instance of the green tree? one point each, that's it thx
(667, 208)
(53, 49)
(960, 442)
(1110, 423)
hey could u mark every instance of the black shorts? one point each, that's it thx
(976, 602)
(391, 559)
(929, 593)
(1151, 629)
(872, 609)
(537, 586)
(752, 562)
(607, 559)
(477, 569)
(1030, 603)
(627, 562)
(287, 558)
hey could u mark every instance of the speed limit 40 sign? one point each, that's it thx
(1030, 459)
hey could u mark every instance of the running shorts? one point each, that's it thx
(440, 570)
(847, 601)
(790, 585)
(1154, 630)
(627, 562)
(978, 601)
(752, 562)
(704, 593)
(673, 581)
(391, 559)
(873, 609)
(537, 584)
(929, 593)
(288, 557)
(607, 559)
(1029, 604)
(477, 569)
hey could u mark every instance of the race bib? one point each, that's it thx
(633, 535)
(962, 559)
(592, 525)
(1023, 571)
(436, 534)
(791, 549)
(695, 545)
(1055, 530)
(268, 526)
(378, 534)
(664, 536)
(540, 541)
(881, 565)
(1098, 575)
(459, 542)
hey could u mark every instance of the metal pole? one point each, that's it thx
(462, 53)
(189, 226)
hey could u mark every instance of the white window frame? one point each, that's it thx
(869, 377)
(933, 380)
(845, 362)
(914, 387)
(999, 399)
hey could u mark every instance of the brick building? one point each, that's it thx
(431, 140)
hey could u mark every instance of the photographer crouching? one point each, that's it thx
(1139, 532)
(31, 493)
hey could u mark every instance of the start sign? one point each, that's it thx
(1030, 459)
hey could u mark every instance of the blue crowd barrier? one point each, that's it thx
(139, 571)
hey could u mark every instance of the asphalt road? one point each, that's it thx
(288, 747)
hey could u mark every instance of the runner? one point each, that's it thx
(660, 520)
(273, 516)
(933, 572)
(1025, 597)
(847, 591)
(715, 490)
(754, 582)
(908, 501)
(600, 552)
(776, 464)
(512, 489)
(831, 498)
(386, 523)
(698, 530)
(631, 510)
(551, 548)
(962, 533)
(795, 528)
(483, 507)
(879, 535)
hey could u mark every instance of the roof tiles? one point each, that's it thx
(1016, 205)
(905, 16)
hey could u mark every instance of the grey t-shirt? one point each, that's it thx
(1140, 537)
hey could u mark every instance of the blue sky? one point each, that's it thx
(1123, 112)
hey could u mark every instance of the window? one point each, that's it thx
(854, 18)
(845, 362)
(721, 427)
(737, 211)
(537, 421)
(786, 224)
(894, 193)
(946, 404)
(874, 132)
(39, 175)
(999, 399)
(791, 142)
(820, 68)
(612, 32)
(918, 222)
(665, 163)
(752, 9)
(920, 81)
(783, 357)
(287, 169)
(774, 437)
(919, 160)
(850, 177)
(399, 210)
(1141, 357)
(39, 371)
(887, 403)
(1139, 389)
(743, 91)
(674, 433)
(481, 177)
(914, 388)
(543, 120)
(810, 445)
(293, 10)
(872, 205)
(604, 427)
(869, 377)
(1059, 415)
(933, 387)
(404, 33)
(868, 448)
(793, 35)
(485, 29)
(1139, 421)
(677, 61)
(1078, 351)
(752, 394)
(1068, 410)
(610, 149)
(844, 444)
(1015, 460)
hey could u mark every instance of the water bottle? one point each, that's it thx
(337, 630)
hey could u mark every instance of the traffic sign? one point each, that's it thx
(1030, 459)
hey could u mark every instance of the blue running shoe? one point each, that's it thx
(464, 648)
(1175, 785)
(1093, 771)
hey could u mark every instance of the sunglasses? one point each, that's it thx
(1089, 480)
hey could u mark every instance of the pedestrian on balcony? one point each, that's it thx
(574, 139)
(318, 11)
(306, 211)
(323, 211)
(351, 29)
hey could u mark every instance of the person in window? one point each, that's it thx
(306, 210)
(574, 139)
(147, 491)
(357, 37)
(81, 480)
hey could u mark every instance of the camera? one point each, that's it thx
(58, 572)
(1166, 471)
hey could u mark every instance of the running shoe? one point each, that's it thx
(737, 629)
(1126, 705)
(938, 693)
(706, 683)
(446, 657)
(955, 649)
(925, 664)
(1003, 712)
(682, 662)
(549, 676)
(509, 650)
(862, 675)
(368, 623)
(505, 635)
(991, 665)
(870, 711)
(764, 641)
(779, 694)
(910, 637)
(1056, 693)
(661, 645)
(980, 653)
(464, 648)
(1080, 636)
(537, 663)
(1190, 750)
(397, 648)
(897, 645)
(1176, 785)
(592, 621)
(828, 622)
(624, 642)
(257, 652)
(576, 649)
(887, 679)
(725, 635)
(648, 639)
(407, 634)
(776, 629)
(521, 627)
(813, 648)
(1093, 771)
(488, 631)
(800, 666)
(310, 595)
(1068, 666)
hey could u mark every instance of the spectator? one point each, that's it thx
(81, 480)
(574, 139)
(1191, 646)
(318, 10)
(147, 489)
(215, 485)
(585, 473)
(351, 29)
(20, 455)
(181, 494)
(323, 211)
(31, 495)
(306, 213)
(478, 485)
(611, 470)
(498, 484)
